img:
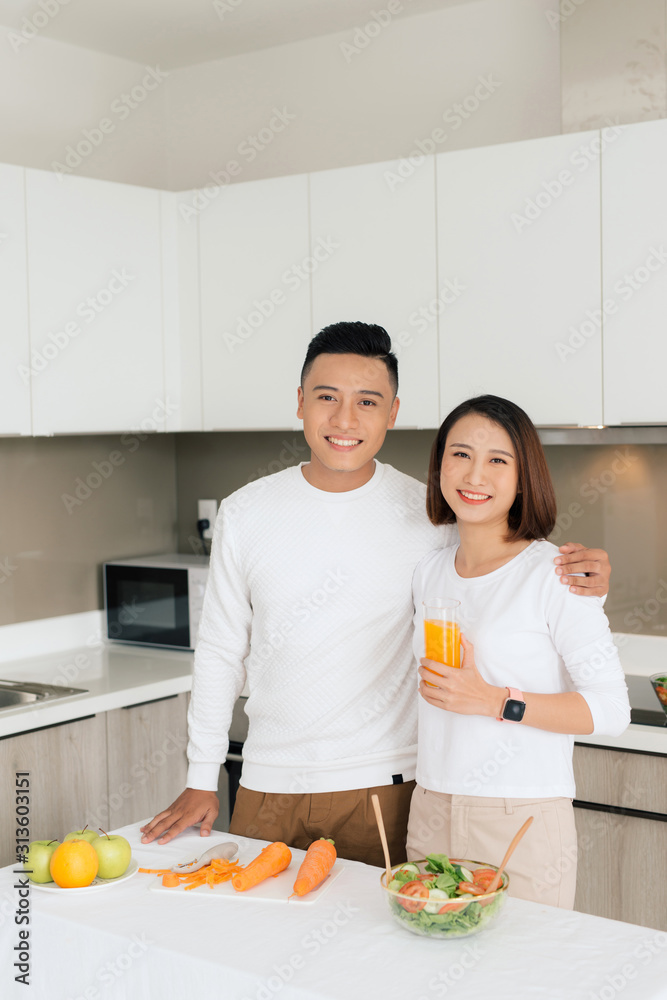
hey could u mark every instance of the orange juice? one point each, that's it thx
(443, 641)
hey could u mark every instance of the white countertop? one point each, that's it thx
(641, 656)
(130, 942)
(113, 675)
(72, 652)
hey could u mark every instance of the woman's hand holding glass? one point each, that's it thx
(460, 689)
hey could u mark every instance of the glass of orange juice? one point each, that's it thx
(442, 631)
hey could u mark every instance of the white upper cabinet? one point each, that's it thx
(94, 263)
(255, 267)
(634, 274)
(14, 338)
(380, 267)
(180, 289)
(519, 251)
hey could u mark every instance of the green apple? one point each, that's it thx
(114, 854)
(38, 859)
(84, 834)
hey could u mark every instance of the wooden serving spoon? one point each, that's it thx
(510, 851)
(383, 836)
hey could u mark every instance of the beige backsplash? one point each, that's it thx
(69, 503)
(51, 547)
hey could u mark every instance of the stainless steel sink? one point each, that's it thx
(16, 693)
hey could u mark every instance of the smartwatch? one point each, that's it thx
(514, 706)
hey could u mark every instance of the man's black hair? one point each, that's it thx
(366, 339)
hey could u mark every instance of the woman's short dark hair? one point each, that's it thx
(533, 513)
(366, 339)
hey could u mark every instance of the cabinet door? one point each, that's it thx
(255, 303)
(383, 268)
(95, 305)
(147, 758)
(619, 859)
(634, 274)
(67, 767)
(14, 341)
(519, 244)
(182, 333)
(622, 779)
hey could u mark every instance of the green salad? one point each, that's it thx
(443, 898)
(660, 688)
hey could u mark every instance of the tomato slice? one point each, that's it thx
(661, 693)
(474, 890)
(418, 893)
(483, 877)
(459, 904)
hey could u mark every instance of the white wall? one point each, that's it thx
(354, 103)
(614, 62)
(50, 92)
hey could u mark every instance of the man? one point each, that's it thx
(309, 597)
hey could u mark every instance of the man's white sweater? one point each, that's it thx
(309, 597)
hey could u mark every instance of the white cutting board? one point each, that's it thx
(272, 889)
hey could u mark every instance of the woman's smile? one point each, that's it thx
(473, 498)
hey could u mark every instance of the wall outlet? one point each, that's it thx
(207, 509)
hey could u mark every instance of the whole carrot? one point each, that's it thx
(270, 861)
(315, 867)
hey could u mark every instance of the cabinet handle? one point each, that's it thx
(152, 701)
(620, 810)
(54, 725)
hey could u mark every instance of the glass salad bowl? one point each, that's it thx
(428, 897)
(659, 682)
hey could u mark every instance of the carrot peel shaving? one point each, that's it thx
(211, 875)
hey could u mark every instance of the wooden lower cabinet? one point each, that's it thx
(622, 867)
(67, 766)
(617, 849)
(106, 771)
(147, 761)
(621, 778)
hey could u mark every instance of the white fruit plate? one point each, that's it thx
(97, 883)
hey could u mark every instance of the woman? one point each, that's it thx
(532, 652)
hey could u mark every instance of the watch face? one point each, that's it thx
(513, 710)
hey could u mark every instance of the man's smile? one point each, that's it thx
(342, 444)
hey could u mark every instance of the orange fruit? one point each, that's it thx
(74, 864)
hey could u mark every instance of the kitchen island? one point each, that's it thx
(128, 941)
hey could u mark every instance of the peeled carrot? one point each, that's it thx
(315, 867)
(270, 861)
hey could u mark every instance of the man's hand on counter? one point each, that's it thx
(192, 806)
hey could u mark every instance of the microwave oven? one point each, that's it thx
(155, 600)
